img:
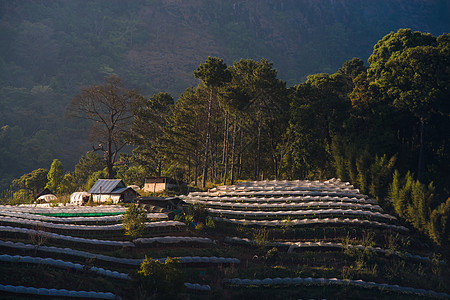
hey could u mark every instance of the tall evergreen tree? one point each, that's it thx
(55, 175)
(214, 74)
(147, 130)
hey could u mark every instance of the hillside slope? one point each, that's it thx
(48, 50)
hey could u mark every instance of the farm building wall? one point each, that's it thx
(101, 198)
(155, 187)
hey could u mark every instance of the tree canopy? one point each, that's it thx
(376, 126)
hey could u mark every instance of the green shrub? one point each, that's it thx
(272, 256)
(439, 226)
(133, 221)
(210, 223)
(199, 227)
(261, 237)
(161, 280)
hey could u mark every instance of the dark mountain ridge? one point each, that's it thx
(50, 49)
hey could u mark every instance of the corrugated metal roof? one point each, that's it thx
(120, 190)
(106, 186)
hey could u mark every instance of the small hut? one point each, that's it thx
(45, 196)
(115, 190)
(160, 184)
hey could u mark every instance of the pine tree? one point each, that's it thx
(55, 175)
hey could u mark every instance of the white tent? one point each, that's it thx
(47, 198)
(77, 198)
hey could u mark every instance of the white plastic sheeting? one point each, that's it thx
(77, 197)
(125, 261)
(71, 252)
(61, 264)
(80, 294)
(289, 199)
(298, 222)
(300, 213)
(293, 205)
(173, 240)
(339, 193)
(209, 259)
(47, 198)
(72, 239)
(64, 209)
(84, 227)
(293, 185)
(297, 245)
(116, 218)
(56, 292)
(198, 287)
(332, 281)
(280, 188)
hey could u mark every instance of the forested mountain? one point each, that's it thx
(50, 49)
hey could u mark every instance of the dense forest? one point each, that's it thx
(50, 49)
(88, 78)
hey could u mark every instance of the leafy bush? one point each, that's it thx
(272, 256)
(199, 227)
(261, 237)
(412, 200)
(162, 280)
(133, 221)
(210, 223)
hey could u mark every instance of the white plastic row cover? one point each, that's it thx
(66, 237)
(321, 188)
(198, 287)
(212, 259)
(333, 281)
(60, 219)
(64, 209)
(173, 240)
(339, 193)
(295, 245)
(56, 292)
(85, 227)
(127, 261)
(275, 205)
(115, 218)
(295, 222)
(287, 213)
(289, 199)
(61, 264)
(332, 183)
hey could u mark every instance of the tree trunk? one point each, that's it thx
(240, 155)
(159, 167)
(208, 137)
(420, 162)
(273, 147)
(189, 168)
(196, 168)
(233, 150)
(258, 153)
(225, 150)
(109, 159)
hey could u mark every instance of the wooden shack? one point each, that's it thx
(160, 184)
(115, 190)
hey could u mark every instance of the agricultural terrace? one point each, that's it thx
(265, 239)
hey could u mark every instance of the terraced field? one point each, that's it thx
(266, 239)
(87, 246)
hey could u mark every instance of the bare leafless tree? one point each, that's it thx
(110, 107)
